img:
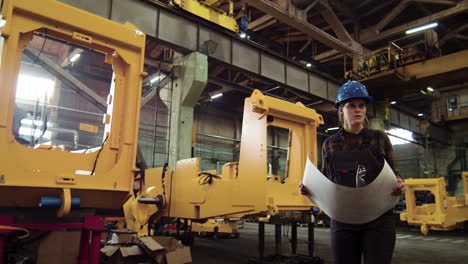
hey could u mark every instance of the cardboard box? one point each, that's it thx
(163, 250)
(59, 247)
(123, 238)
(179, 256)
(169, 243)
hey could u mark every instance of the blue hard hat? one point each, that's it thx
(350, 90)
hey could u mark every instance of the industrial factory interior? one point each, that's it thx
(233, 131)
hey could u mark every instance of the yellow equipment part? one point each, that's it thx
(243, 187)
(29, 173)
(213, 225)
(207, 10)
(444, 214)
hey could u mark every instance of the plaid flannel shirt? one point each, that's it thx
(379, 143)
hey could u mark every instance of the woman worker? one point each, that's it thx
(354, 157)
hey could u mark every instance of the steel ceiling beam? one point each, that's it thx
(369, 35)
(312, 31)
(67, 77)
(438, 2)
(391, 15)
(332, 19)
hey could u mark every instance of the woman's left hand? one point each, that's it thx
(399, 188)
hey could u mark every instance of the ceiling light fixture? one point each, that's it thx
(421, 28)
(393, 102)
(309, 64)
(420, 114)
(75, 57)
(155, 79)
(430, 89)
(216, 95)
(242, 35)
(332, 128)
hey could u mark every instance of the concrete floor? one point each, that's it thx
(411, 246)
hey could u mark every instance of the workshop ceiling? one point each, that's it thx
(372, 25)
(329, 34)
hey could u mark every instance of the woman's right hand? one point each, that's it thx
(303, 189)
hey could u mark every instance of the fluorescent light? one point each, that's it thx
(216, 95)
(75, 57)
(155, 79)
(393, 102)
(430, 89)
(420, 114)
(332, 128)
(417, 29)
(242, 35)
(309, 64)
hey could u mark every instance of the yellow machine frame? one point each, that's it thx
(242, 188)
(444, 214)
(216, 226)
(27, 173)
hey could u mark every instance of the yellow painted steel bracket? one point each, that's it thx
(243, 187)
(444, 214)
(27, 173)
(208, 11)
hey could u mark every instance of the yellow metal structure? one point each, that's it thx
(28, 173)
(391, 57)
(444, 214)
(242, 188)
(208, 9)
(216, 226)
(375, 62)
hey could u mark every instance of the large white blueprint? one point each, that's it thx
(351, 205)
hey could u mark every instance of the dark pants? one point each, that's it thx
(374, 240)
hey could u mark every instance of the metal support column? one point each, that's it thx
(90, 242)
(84, 247)
(294, 238)
(261, 239)
(310, 245)
(2, 244)
(278, 239)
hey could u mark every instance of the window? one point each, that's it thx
(58, 91)
(278, 147)
(399, 136)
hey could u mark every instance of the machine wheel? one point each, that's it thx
(424, 230)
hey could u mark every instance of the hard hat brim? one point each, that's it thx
(366, 98)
